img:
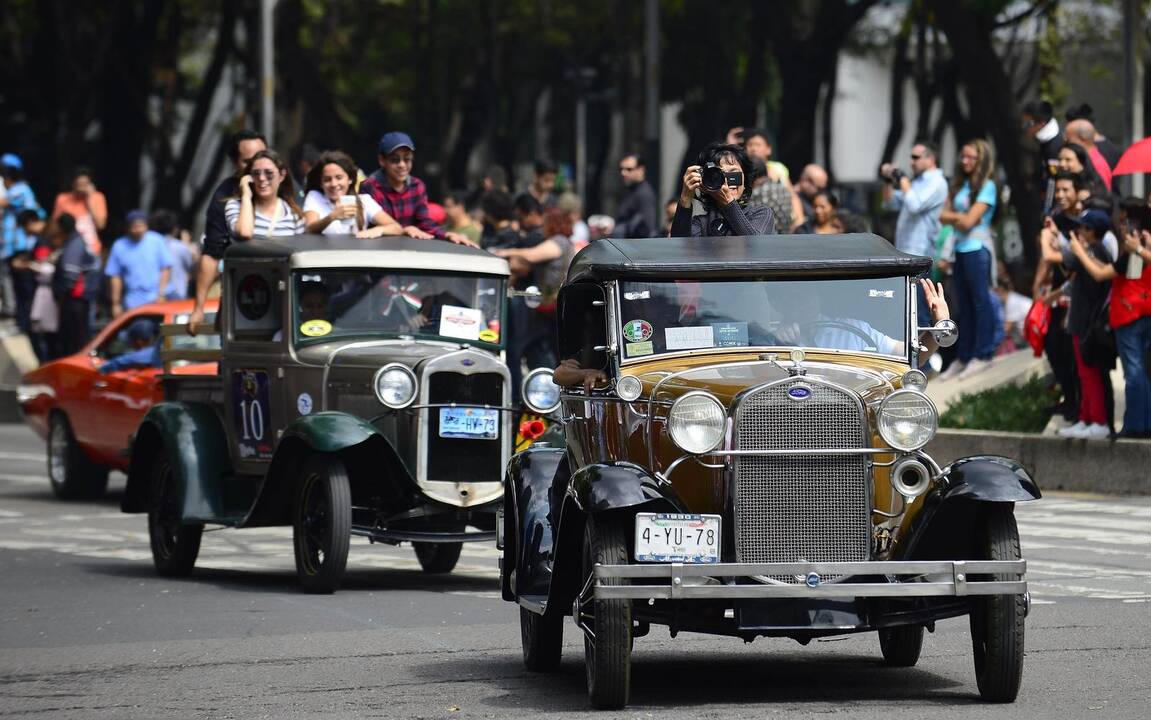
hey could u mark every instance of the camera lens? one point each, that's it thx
(713, 178)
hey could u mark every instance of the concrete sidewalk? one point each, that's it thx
(1017, 367)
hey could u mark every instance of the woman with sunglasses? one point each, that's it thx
(332, 207)
(267, 203)
(726, 210)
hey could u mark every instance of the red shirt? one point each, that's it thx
(1130, 299)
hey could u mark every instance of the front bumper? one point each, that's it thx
(729, 581)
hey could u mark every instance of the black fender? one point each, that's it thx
(367, 455)
(941, 530)
(527, 553)
(193, 438)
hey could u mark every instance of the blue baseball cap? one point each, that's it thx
(390, 141)
(1096, 219)
(142, 329)
(136, 216)
(11, 160)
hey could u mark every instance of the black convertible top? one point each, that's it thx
(778, 256)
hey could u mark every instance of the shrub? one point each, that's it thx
(1010, 408)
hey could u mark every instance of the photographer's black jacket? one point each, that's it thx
(734, 219)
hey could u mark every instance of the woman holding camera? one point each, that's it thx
(332, 207)
(722, 179)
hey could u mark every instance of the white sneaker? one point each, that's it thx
(974, 367)
(1073, 431)
(952, 370)
(1096, 431)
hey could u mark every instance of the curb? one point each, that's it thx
(1112, 467)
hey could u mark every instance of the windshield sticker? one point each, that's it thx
(490, 336)
(461, 322)
(689, 338)
(639, 348)
(637, 295)
(881, 293)
(315, 328)
(637, 331)
(730, 334)
(304, 403)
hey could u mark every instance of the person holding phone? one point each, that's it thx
(332, 208)
(267, 203)
(726, 208)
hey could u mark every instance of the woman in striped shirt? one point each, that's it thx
(267, 203)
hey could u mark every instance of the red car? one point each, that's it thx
(88, 418)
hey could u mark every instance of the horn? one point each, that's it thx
(910, 478)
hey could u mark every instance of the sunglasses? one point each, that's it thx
(916, 157)
(269, 174)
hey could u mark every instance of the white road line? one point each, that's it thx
(34, 457)
(25, 479)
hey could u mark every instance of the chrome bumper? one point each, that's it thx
(678, 581)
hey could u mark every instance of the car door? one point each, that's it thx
(119, 399)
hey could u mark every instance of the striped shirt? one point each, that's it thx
(286, 224)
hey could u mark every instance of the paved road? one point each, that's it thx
(88, 631)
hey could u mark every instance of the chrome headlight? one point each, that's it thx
(696, 422)
(395, 385)
(540, 393)
(907, 420)
(629, 387)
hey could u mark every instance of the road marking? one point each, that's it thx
(33, 457)
(26, 479)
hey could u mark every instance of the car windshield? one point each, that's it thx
(859, 315)
(341, 303)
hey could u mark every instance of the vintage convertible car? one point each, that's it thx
(88, 417)
(362, 391)
(755, 465)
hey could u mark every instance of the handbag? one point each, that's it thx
(1036, 325)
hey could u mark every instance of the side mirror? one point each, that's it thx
(946, 332)
(531, 295)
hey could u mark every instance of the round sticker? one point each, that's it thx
(489, 336)
(637, 331)
(253, 297)
(304, 403)
(315, 328)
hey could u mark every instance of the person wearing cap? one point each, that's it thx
(139, 266)
(18, 196)
(1091, 235)
(403, 195)
(145, 352)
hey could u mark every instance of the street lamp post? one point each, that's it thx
(267, 70)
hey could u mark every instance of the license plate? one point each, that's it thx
(469, 423)
(673, 537)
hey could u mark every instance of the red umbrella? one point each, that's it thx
(1137, 159)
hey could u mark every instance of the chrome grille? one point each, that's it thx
(791, 508)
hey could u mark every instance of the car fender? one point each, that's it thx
(528, 535)
(964, 487)
(363, 448)
(192, 435)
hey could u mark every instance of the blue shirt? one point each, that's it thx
(919, 209)
(145, 357)
(183, 260)
(980, 235)
(139, 264)
(20, 197)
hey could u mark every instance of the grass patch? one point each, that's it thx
(1009, 408)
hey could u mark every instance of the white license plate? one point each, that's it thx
(673, 537)
(469, 423)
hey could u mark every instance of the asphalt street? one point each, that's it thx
(87, 630)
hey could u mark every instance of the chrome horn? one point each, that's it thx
(910, 478)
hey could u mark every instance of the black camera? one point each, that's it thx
(714, 178)
(897, 176)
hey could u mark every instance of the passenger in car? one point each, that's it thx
(145, 352)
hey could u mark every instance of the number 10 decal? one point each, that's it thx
(251, 414)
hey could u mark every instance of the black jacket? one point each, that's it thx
(735, 219)
(217, 237)
(638, 215)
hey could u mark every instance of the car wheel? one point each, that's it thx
(901, 645)
(438, 558)
(607, 647)
(542, 637)
(322, 524)
(175, 544)
(72, 475)
(997, 620)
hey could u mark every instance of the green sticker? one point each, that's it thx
(639, 348)
(637, 331)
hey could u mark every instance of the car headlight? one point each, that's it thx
(697, 422)
(395, 386)
(907, 420)
(540, 393)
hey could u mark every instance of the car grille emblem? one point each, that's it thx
(467, 362)
(813, 579)
(799, 392)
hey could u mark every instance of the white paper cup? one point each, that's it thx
(347, 199)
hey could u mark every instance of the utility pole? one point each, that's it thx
(651, 94)
(1134, 52)
(268, 71)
